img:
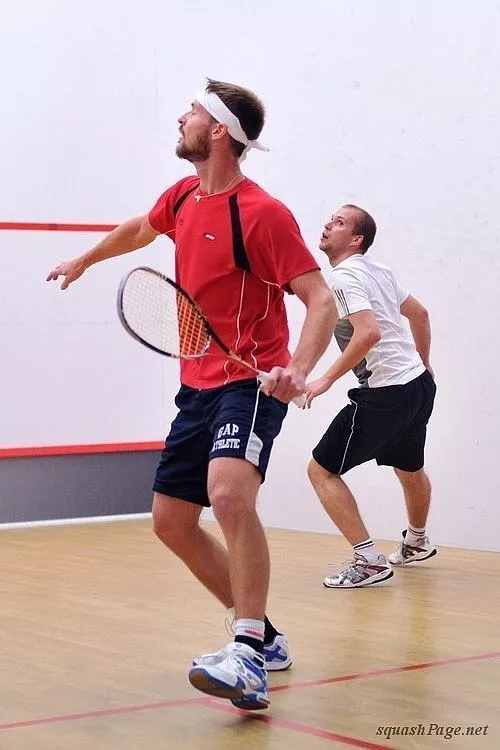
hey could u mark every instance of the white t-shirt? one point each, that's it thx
(359, 283)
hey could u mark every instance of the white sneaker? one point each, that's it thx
(276, 655)
(360, 572)
(240, 677)
(407, 553)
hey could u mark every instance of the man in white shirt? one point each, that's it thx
(388, 414)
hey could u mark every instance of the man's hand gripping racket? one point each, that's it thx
(163, 317)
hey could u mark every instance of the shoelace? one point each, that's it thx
(238, 659)
(229, 623)
(342, 565)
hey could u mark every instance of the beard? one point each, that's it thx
(198, 150)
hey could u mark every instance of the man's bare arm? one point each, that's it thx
(420, 327)
(129, 236)
(312, 290)
(365, 335)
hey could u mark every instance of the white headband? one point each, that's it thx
(216, 107)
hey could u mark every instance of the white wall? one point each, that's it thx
(390, 105)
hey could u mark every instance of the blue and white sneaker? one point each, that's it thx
(276, 655)
(240, 677)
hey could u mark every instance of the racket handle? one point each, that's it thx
(299, 401)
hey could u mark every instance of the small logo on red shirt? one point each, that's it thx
(208, 236)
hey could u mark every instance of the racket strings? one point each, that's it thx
(192, 328)
(162, 316)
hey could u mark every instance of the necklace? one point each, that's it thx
(198, 196)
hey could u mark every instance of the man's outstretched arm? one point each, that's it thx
(129, 236)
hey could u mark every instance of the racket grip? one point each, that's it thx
(299, 401)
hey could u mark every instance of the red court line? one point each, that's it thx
(73, 450)
(295, 726)
(102, 712)
(55, 227)
(206, 701)
(383, 672)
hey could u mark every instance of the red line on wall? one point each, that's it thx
(75, 450)
(67, 450)
(55, 227)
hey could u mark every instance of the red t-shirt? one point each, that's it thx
(235, 253)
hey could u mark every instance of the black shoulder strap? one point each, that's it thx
(180, 201)
(240, 255)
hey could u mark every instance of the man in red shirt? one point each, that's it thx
(237, 250)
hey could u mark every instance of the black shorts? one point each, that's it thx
(388, 424)
(235, 420)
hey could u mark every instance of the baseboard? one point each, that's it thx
(70, 521)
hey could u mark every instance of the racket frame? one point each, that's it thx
(211, 334)
(180, 291)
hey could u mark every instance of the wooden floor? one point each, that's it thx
(99, 624)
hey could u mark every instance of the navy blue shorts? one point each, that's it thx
(235, 420)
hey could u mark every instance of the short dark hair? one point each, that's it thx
(245, 105)
(364, 224)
